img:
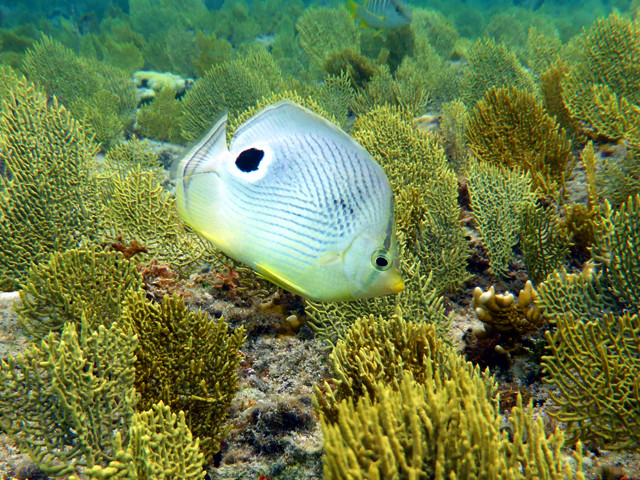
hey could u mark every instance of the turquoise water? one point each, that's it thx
(508, 135)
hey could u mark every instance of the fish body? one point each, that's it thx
(296, 199)
(380, 13)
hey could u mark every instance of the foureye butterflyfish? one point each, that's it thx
(296, 199)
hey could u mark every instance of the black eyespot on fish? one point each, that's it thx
(249, 160)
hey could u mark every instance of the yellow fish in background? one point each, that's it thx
(380, 13)
(296, 199)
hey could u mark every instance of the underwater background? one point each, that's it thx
(132, 348)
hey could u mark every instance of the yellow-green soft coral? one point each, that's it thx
(493, 65)
(443, 424)
(323, 31)
(233, 85)
(510, 127)
(187, 360)
(63, 400)
(136, 207)
(161, 447)
(45, 190)
(73, 284)
(80, 84)
(498, 198)
(605, 56)
(596, 366)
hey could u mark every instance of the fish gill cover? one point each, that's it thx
(509, 136)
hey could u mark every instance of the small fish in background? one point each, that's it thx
(380, 13)
(296, 199)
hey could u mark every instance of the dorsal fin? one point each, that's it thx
(204, 154)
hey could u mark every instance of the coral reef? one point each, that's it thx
(498, 198)
(64, 399)
(427, 222)
(492, 65)
(159, 119)
(45, 191)
(500, 313)
(137, 208)
(596, 365)
(161, 447)
(605, 56)
(323, 31)
(544, 240)
(416, 426)
(186, 360)
(233, 85)
(82, 83)
(75, 284)
(510, 127)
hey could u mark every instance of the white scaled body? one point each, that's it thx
(296, 199)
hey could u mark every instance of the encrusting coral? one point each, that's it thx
(63, 399)
(510, 127)
(45, 192)
(187, 360)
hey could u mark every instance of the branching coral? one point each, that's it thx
(187, 360)
(137, 208)
(453, 129)
(446, 425)
(493, 65)
(159, 119)
(606, 56)
(74, 284)
(596, 366)
(161, 447)
(232, 86)
(545, 241)
(498, 197)
(510, 127)
(63, 400)
(323, 31)
(79, 83)
(45, 192)
(500, 313)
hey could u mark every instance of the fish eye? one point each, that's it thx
(381, 260)
(249, 160)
